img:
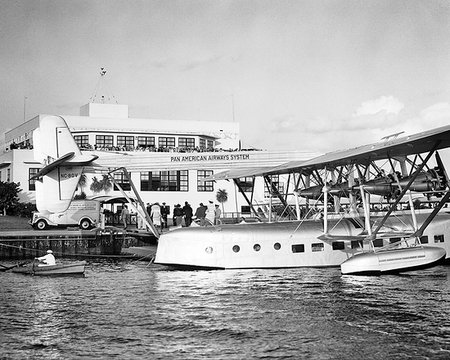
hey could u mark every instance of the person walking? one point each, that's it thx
(200, 214)
(210, 212)
(178, 215)
(187, 210)
(155, 215)
(125, 216)
(217, 215)
(165, 211)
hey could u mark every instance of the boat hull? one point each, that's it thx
(280, 245)
(393, 261)
(76, 268)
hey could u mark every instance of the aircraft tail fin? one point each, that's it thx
(54, 146)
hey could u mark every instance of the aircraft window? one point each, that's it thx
(317, 247)
(424, 239)
(357, 244)
(338, 245)
(209, 250)
(297, 248)
(236, 248)
(378, 243)
(277, 246)
(394, 240)
(438, 238)
(256, 247)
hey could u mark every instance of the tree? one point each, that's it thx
(81, 184)
(222, 196)
(104, 184)
(8, 195)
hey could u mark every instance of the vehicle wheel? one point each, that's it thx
(85, 224)
(41, 225)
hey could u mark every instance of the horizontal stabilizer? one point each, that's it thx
(46, 169)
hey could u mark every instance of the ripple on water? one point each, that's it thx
(126, 309)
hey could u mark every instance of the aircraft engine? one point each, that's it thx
(313, 192)
(340, 190)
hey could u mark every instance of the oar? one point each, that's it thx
(6, 268)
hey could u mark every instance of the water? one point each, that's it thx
(128, 310)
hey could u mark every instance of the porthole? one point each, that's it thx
(277, 246)
(256, 247)
(209, 250)
(236, 248)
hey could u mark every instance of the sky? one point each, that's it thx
(311, 75)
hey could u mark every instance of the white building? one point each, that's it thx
(167, 159)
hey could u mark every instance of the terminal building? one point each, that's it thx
(167, 159)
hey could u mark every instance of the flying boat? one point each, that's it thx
(351, 231)
(337, 226)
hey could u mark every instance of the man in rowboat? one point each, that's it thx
(48, 259)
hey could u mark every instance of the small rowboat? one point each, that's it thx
(75, 268)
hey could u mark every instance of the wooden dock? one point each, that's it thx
(26, 244)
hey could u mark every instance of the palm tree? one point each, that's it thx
(101, 185)
(222, 196)
(82, 183)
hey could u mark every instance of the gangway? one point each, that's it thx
(142, 211)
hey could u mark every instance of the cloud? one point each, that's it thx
(284, 124)
(195, 63)
(436, 115)
(387, 104)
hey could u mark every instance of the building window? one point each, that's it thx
(298, 248)
(125, 141)
(165, 181)
(82, 141)
(317, 247)
(236, 248)
(186, 142)
(210, 144)
(202, 143)
(146, 141)
(424, 239)
(8, 175)
(438, 238)
(277, 246)
(256, 247)
(32, 183)
(246, 184)
(338, 245)
(103, 141)
(245, 209)
(122, 180)
(276, 185)
(203, 186)
(166, 142)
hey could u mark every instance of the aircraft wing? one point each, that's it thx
(434, 139)
(238, 173)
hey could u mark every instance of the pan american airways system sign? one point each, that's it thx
(209, 158)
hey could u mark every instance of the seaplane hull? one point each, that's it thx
(393, 261)
(264, 245)
(286, 245)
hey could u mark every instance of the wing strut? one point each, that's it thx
(273, 190)
(405, 189)
(238, 184)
